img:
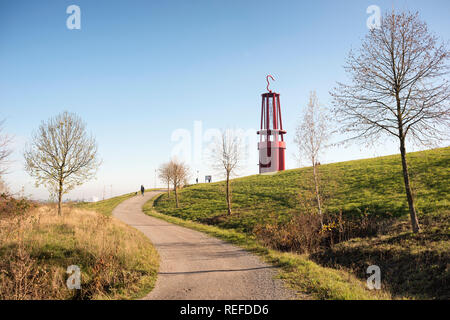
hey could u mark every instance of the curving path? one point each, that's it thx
(198, 267)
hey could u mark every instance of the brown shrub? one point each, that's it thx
(10, 206)
(303, 233)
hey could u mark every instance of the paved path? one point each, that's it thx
(196, 266)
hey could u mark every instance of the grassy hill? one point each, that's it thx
(374, 186)
(105, 207)
(414, 266)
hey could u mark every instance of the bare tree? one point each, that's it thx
(179, 172)
(398, 88)
(5, 151)
(226, 156)
(61, 155)
(165, 175)
(311, 136)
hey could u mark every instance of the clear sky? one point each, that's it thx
(139, 71)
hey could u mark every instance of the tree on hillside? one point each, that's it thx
(226, 155)
(179, 172)
(5, 151)
(398, 88)
(61, 155)
(165, 175)
(310, 136)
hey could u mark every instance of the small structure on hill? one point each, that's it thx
(271, 143)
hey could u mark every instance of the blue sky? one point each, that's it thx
(139, 70)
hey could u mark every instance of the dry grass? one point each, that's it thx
(36, 247)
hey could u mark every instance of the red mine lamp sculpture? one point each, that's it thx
(271, 143)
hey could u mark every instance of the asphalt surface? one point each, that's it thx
(198, 267)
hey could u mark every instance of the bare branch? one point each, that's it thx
(225, 158)
(5, 151)
(397, 87)
(175, 172)
(311, 136)
(397, 84)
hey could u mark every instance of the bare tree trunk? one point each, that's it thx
(228, 194)
(316, 184)
(412, 210)
(176, 196)
(60, 196)
(168, 189)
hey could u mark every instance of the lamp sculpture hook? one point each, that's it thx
(268, 83)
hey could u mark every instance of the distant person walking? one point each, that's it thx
(142, 189)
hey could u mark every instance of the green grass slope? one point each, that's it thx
(373, 185)
(107, 206)
(303, 275)
(104, 207)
